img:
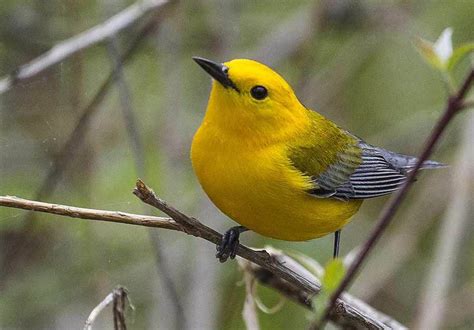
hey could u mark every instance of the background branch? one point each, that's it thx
(119, 298)
(76, 137)
(97, 310)
(83, 40)
(136, 145)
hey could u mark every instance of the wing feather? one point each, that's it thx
(359, 170)
(370, 175)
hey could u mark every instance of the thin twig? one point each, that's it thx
(454, 105)
(97, 310)
(118, 297)
(90, 214)
(345, 313)
(83, 40)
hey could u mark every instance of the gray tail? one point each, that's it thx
(427, 164)
(430, 164)
(405, 162)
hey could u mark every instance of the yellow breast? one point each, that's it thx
(259, 189)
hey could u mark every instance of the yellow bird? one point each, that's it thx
(278, 168)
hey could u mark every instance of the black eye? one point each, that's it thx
(259, 92)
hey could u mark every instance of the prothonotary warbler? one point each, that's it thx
(278, 168)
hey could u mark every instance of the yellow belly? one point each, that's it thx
(261, 191)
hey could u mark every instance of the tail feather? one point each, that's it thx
(431, 164)
(410, 162)
(405, 162)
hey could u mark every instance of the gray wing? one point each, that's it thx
(381, 172)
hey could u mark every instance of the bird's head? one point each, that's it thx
(249, 97)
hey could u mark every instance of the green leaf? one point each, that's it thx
(458, 54)
(440, 53)
(333, 274)
(427, 51)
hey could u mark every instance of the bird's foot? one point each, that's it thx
(337, 239)
(227, 248)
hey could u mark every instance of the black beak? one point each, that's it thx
(218, 71)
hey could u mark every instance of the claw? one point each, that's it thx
(227, 248)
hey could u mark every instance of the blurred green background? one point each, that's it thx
(353, 61)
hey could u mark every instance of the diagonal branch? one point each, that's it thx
(454, 106)
(349, 310)
(83, 40)
(63, 159)
(75, 139)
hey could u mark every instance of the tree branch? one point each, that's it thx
(90, 214)
(349, 303)
(454, 105)
(83, 40)
(303, 284)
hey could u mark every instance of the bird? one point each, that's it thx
(278, 168)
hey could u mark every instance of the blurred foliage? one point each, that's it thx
(353, 60)
(441, 56)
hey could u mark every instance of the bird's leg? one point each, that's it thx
(227, 248)
(337, 238)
